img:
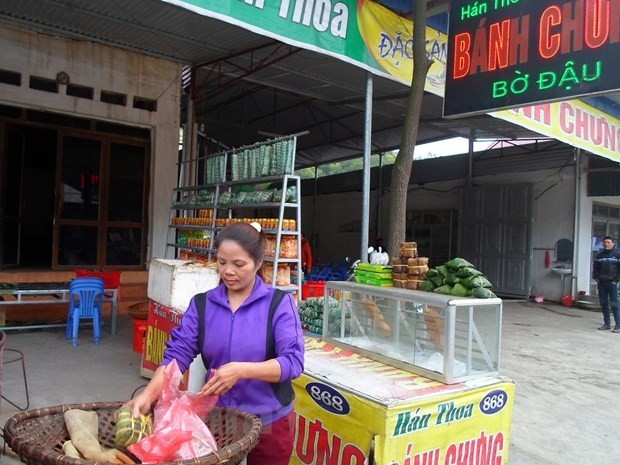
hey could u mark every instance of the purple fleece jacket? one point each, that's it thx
(241, 337)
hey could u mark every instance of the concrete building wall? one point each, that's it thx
(554, 219)
(104, 69)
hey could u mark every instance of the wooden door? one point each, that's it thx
(77, 210)
(100, 218)
(12, 146)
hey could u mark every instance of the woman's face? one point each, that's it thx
(236, 266)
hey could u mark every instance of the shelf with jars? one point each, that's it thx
(234, 185)
(435, 232)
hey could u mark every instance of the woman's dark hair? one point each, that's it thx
(252, 241)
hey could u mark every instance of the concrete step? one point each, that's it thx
(134, 277)
(131, 290)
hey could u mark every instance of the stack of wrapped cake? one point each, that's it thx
(409, 270)
(311, 314)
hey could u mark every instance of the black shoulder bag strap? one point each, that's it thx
(283, 391)
(271, 341)
(200, 301)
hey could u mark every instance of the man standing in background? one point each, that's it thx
(606, 273)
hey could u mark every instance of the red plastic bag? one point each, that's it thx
(179, 433)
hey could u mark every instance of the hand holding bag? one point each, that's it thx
(179, 431)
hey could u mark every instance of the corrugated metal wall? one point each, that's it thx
(512, 160)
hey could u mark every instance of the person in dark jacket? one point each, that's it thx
(606, 272)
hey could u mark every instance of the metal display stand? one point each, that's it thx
(259, 164)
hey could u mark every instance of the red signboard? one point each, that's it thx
(509, 53)
(160, 323)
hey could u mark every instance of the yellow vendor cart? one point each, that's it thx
(403, 377)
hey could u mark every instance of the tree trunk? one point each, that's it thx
(401, 172)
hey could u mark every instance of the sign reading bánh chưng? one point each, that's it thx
(509, 53)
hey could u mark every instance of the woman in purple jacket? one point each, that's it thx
(236, 344)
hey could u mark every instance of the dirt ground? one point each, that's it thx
(567, 377)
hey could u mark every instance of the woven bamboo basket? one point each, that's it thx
(139, 311)
(37, 436)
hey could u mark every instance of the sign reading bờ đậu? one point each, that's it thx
(509, 53)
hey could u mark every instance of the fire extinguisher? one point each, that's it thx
(547, 258)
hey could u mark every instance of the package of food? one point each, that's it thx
(409, 252)
(267, 273)
(400, 269)
(415, 284)
(270, 245)
(283, 275)
(417, 270)
(379, 282)
(130, 430)
(288, 247)
(386, 274)
(374, 267)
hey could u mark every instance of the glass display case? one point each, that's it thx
(445, 338)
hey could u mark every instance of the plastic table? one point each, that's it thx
(47, 293)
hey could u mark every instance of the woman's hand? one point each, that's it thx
(223, 379)
(142, 403)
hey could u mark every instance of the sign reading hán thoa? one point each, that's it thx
(508, 53)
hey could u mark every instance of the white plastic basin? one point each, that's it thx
(562, 271)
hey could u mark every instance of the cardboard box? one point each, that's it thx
(173, 283)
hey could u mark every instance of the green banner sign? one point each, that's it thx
(362, 32)
(370, 36)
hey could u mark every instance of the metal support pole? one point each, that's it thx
(470, 157)
(366, 169)
(574, 281)
(380, 196)
(189, 134)
(314, 238)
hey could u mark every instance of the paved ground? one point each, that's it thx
(567, 377)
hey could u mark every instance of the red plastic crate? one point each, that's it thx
(111, 279)
(312, 289)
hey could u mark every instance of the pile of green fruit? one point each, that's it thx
(459, 278)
